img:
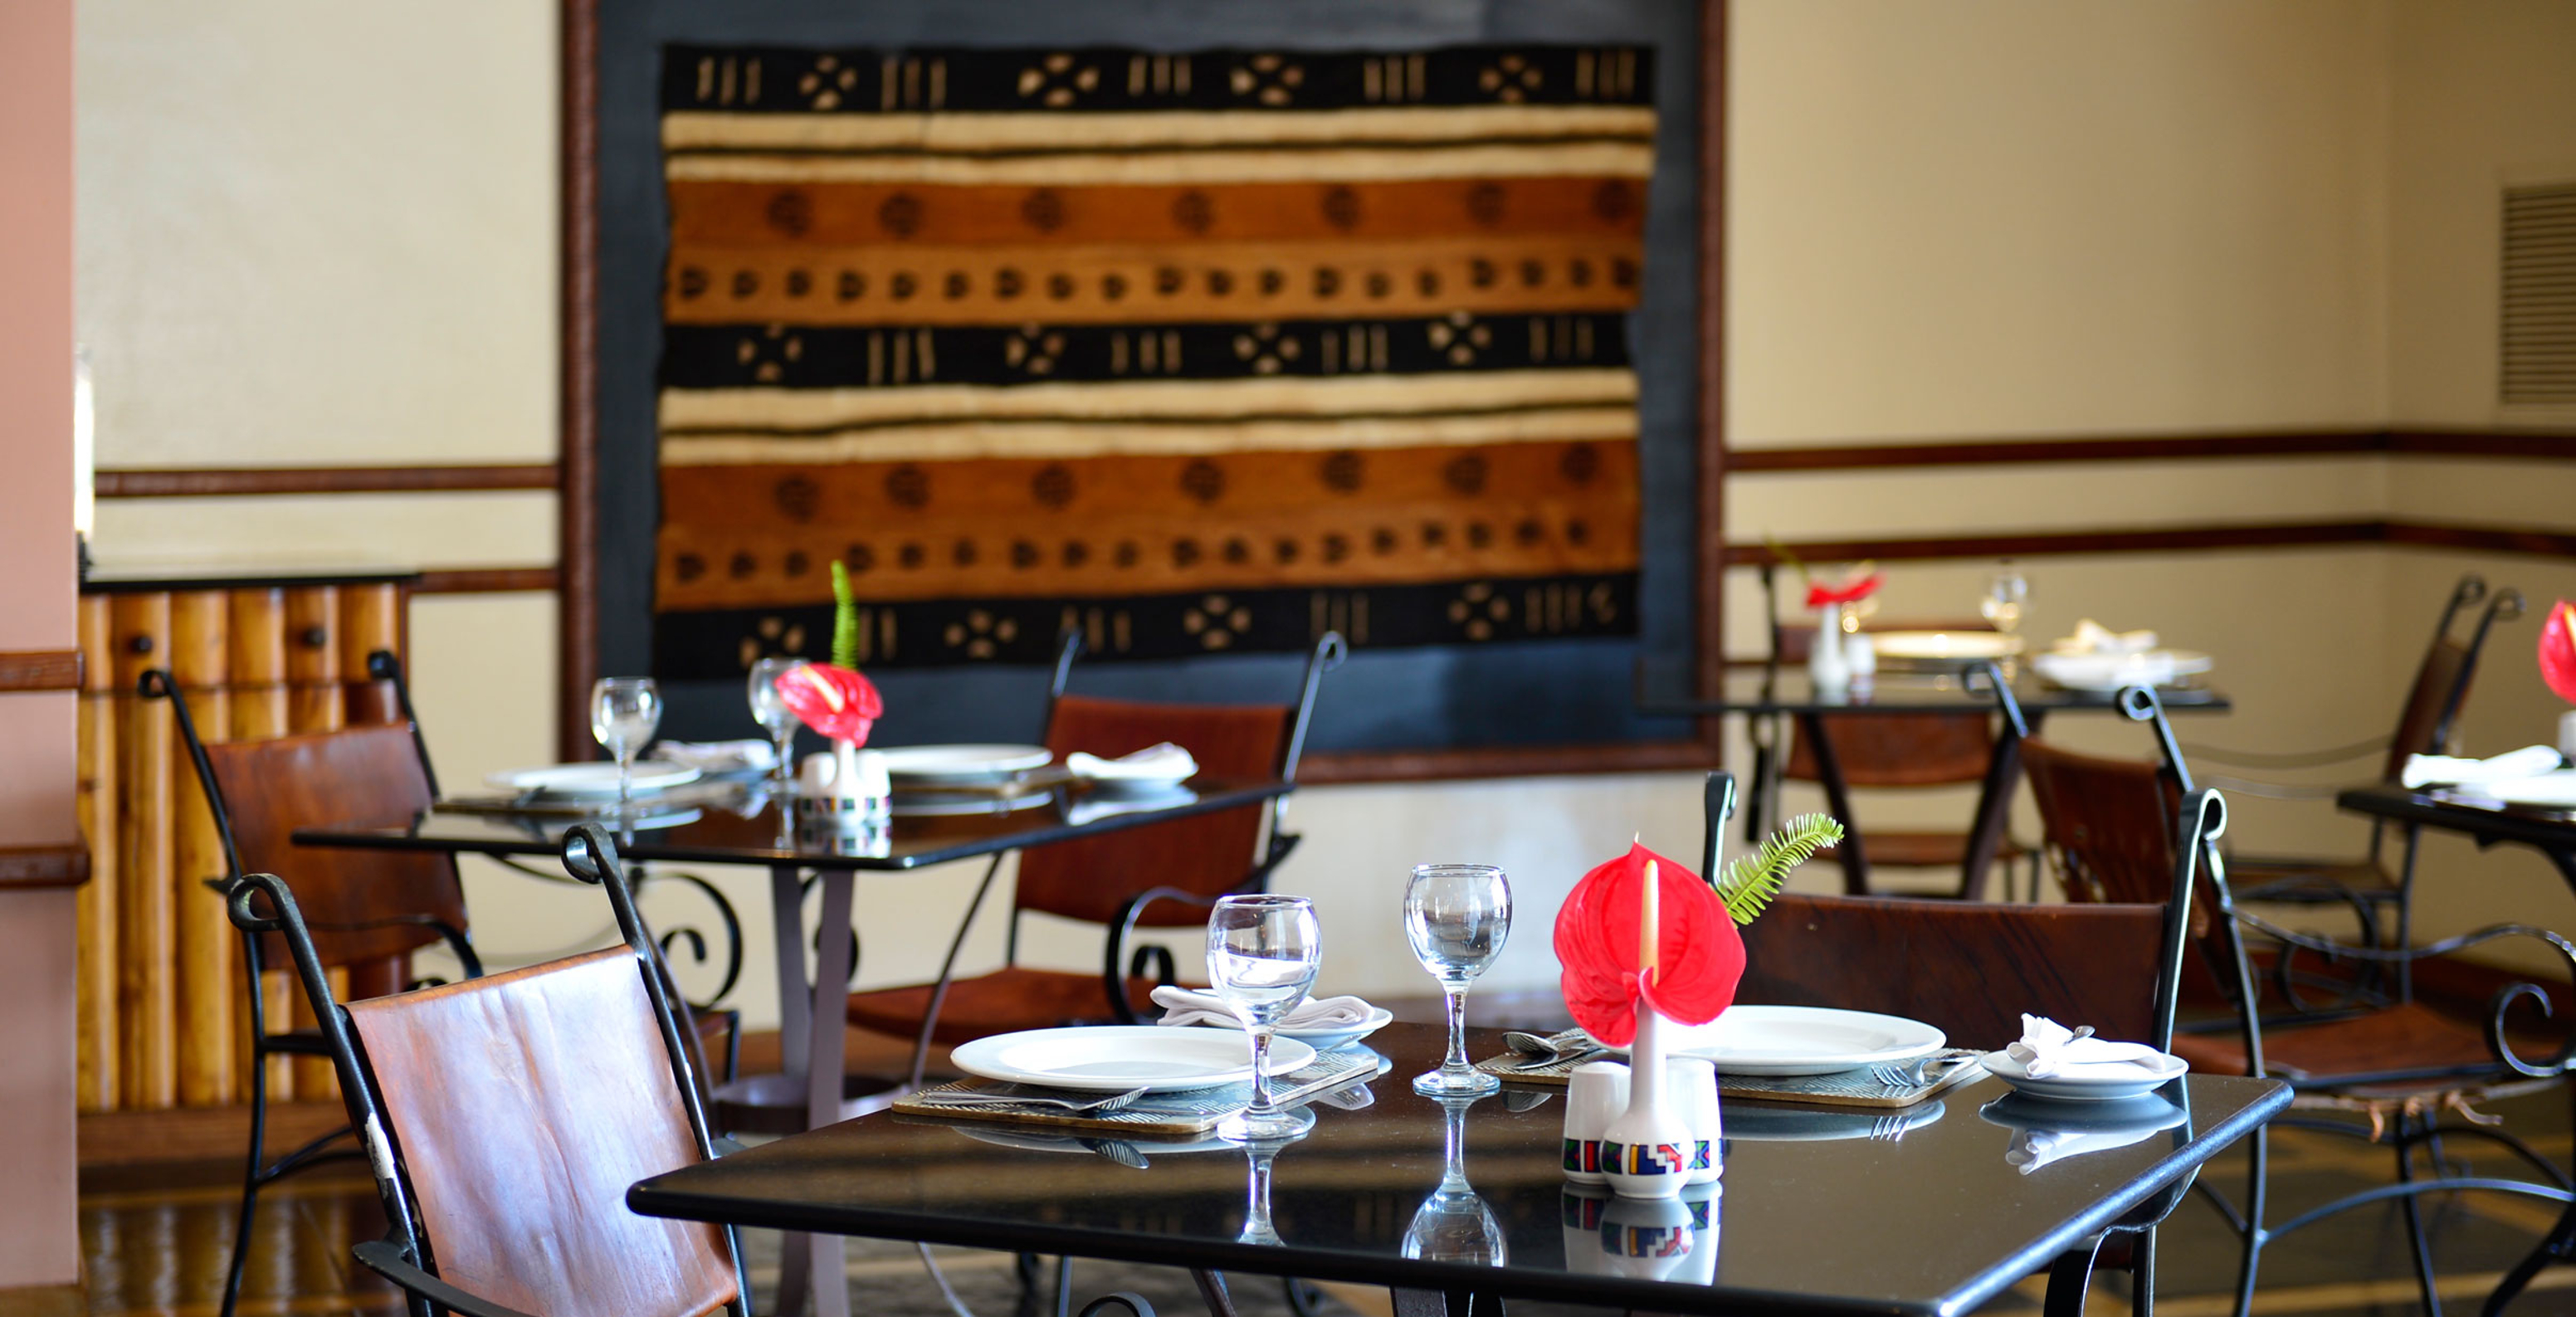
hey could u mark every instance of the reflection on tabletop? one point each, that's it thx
(1454, 1224)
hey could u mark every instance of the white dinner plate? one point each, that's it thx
(963, 763)
(1805, 1040)
(2552, 790)
(1115, 1058)
(2086, 1088)
(2110, 672)
(1942, 646)
(1322, 1040)
(592, 779)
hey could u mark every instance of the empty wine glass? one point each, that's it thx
(2004, 597)
(1454, 1224)
(1457, 916)
(773, 715)
(1262, 953)
(624, 711)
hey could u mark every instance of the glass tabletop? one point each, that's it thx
(1821, 1209)
(1667, 688)
(740, 823)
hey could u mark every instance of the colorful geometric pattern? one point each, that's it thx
(1196, 353)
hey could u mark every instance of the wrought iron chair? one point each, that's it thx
(1163, 876)
(518, 1107)
(1970, 968)
(2427, 723)
(2404, 1065)
(371, 910)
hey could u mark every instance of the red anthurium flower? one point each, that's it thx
(1698, 955)
(1851, 589)
(835, 701)
(2558, 650)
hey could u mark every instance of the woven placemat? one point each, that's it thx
(1183, 1111)
(1844, 1088)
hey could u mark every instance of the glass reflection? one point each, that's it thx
(2046, 1132)
(1454, 1224)
(1259, 1153)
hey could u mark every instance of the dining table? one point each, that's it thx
(1767, 689)
(1452, 1204)
(745, 823)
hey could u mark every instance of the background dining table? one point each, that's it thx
(1776, 690)
(1820, 1211)
(740, 823)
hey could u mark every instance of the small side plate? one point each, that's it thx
(2082, 1088)
(1325, 1040)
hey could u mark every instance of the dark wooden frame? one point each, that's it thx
(579, 475)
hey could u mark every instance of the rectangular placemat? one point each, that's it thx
(1844, 1088)
(1184, 1111)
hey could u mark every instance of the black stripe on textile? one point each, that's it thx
(710, 644)
(1076, 80)
(837, 357)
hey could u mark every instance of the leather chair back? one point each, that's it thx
(522, 1105)
(361, 905)
(1206, 855)
(1900, 749)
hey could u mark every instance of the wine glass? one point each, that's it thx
(1454, 1224)
(2004, 597)
(624, 711)
(1457, 916)
(773, 715)
(1262, 953)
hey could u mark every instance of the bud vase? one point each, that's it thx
(1646, 1150)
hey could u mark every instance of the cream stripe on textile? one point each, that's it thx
(690, 130)
(1057, 438)
(689, 411)
(1089, 166)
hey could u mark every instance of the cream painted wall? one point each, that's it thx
(1986, 217)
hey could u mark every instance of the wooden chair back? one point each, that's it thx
(508, 1114)
(2108, 822)
(360, 905)
(1899, 749)
(1966, 968)
(2428, 722)
(523, 1105)
(1206, 855)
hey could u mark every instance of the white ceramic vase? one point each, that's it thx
(1645, 1152)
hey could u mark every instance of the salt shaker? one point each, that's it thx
(1595, 1093)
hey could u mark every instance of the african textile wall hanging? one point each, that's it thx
(1198, 353)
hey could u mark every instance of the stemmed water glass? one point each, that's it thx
(624, 711)
(1262, 953)
(1457, 916)
(773, 715)
(2004, 597)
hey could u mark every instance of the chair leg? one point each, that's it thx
(2256, 1158)
(250, 1181)
(1064, 1286)
(2142, 1272)
(2414, 1205)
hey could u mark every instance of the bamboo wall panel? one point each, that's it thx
(163, 1016)
(95, 997)
(146, 981)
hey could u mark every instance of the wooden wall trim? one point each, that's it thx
(218, 482)
(577, 511)
(1708, 566)
(2168, 539)
(40, 670)
(2212, 446)
(1342, 767)
(24, 867)
(486, 580)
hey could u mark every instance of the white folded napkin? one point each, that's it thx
(2511, 766)
(720, 756)
(1184, 1006)
(2092, 637)
(1155, 763)
(2048, 1048)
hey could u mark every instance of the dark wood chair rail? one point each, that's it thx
(40, 670)
(63, 865)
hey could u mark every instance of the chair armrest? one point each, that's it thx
(1123, 924)
(382, 1257)
(2562, 1062)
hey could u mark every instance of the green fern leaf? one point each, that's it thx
(1750, 881)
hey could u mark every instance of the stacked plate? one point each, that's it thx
(2097, 670)
(934, 780)
(1940, 651)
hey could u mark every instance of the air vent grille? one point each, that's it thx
(2540, 294)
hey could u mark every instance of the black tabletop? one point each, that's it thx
(739, 824)
(1816, 1214)
(1665, 691)
(2483, 817)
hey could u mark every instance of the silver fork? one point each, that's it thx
(1092, 1106)
(1913, 1074)
(1889, 1129)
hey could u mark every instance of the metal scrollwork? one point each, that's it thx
(671, 935)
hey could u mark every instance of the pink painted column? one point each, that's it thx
(39, 1244)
